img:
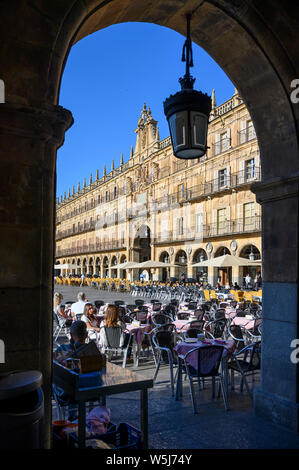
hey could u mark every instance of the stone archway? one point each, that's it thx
(181, 261)
(200, 273)
(113, 263)
(224, 275)
(257, 47)
(142, 244)
(165, 272)
(255, 272)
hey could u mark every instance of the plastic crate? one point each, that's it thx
(124, 436)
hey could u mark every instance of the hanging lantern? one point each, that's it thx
(188, 112)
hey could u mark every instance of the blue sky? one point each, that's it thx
(107, 78)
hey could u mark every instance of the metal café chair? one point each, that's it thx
(160, 319)
(115, 346)
(246, 361)
(164, 342)
(60, 325)
(208, 359)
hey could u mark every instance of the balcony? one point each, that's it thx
(228, 227)
(221, 146)
(232, 227)
(246, 135)
(91, 248)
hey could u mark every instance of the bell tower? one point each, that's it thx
(147, 133)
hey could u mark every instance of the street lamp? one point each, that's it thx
(188, 111)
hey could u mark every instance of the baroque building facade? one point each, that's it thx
(158, 207)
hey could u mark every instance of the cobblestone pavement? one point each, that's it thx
(172, 424)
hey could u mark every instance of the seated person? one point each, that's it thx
(59, 309)
(112, 319)
(78, 307)
(90, 318)
(78, 334)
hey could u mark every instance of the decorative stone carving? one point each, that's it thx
(233, 246)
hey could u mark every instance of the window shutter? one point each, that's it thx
(241, 178)
(217, 144)
(228, 136)
(213, 230)
(240, 217)
(243, 131)
(215, 182)
(228, 182)
(257, 169)
(228, 221)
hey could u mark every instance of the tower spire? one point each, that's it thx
(213, 100)
(121, 158)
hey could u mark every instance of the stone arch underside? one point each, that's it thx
(256, 46)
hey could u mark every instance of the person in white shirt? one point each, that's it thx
(247, 281)
(78, 307)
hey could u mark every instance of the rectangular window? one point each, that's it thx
(250, 132)
(222, 176)
(180, 226)
(249, 169)
(249, 215)
(223, 142)
(221, 220)
(199, 223)
(181, 191)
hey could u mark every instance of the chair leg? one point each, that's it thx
(158, 366)
(232, 379)
(223, 393)
(171, 373)
(125, 358)
(247, 386)
(213, 387)
(194, 405)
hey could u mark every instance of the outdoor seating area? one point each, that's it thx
(197, 349)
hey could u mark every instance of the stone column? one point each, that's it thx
(29, 139)
(277, 397)
(211, 275)
(236, 274)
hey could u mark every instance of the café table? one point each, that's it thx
(181, 349)
(113, 380)
(247, 323)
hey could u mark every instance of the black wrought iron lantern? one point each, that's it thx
(188, 112)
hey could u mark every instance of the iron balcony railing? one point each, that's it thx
(221, 146)
(227, 227)
(246, 135)
(91, 248)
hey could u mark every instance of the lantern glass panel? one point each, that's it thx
(178, 124)
(199, 126)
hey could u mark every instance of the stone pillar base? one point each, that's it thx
(276, 409)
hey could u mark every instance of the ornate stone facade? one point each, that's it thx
(200, 209)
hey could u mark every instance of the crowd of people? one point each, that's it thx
(88, 314)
